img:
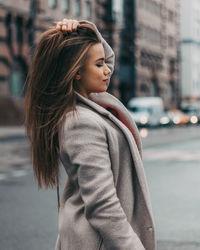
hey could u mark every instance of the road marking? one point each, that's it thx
(13, 174)
(3, 177)
(177, 155)
(18, 173)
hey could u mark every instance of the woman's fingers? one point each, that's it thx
(68, 25)
(58, 25)
(75, 24)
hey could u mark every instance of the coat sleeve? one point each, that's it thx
(109, 53)
(86, 145)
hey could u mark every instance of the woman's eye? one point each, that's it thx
(99, 65)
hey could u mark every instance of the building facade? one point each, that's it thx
(143, 33)
(190, 52)
(157, 50)
(22, 22)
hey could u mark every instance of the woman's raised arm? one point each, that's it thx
(70, 25)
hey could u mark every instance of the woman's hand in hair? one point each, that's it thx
(67, 25)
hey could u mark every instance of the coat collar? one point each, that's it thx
(103, 100)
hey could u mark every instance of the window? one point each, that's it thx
(148, 5)
(88, 10)
(157, 37)
(144, 4)
(52, 3)
(149, 59)
(65, 5)
(77, 7)
(16, 80)
(170, 16)
(170, 41)
(19, 33)
(159, 10)
(141, 4)
(140, 31)
(149, 34)
(154, 8)
(172, 66)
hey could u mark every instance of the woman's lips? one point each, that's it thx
(106, 80)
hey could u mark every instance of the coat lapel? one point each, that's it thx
(103, 100)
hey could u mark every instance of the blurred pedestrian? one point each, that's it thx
(70, 117)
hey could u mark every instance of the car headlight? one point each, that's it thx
(176, 120)
(193, 119)
(164, 120)
(143, 132)
(143, 120)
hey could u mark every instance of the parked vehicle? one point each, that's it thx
(146, 111)
(165, 119)
(193, 113)
(178, 117)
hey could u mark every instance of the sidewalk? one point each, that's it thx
(14, 150)
(155, 137)
(164, 136)
(8, 133)
(173, 245)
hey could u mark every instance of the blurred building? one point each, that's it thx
(14, 58)
(13, 51)
(143, 33)
(22, 22)
(190, 52)
(127, 58)
(108, 21)
(154, 25)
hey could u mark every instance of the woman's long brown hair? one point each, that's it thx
(50, 95)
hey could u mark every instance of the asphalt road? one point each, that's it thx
(28, 217)
(172, 164)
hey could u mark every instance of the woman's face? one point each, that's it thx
(94, 75)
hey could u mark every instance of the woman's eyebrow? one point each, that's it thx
(102, 58)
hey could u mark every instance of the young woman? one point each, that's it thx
(70, 117)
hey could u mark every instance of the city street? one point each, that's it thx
(171, 156)
(146, 53)
(173, 171)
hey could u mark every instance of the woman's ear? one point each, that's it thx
(78, 76)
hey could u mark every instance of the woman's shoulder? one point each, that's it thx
(83, 114)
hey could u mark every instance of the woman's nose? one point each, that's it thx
(107, 71)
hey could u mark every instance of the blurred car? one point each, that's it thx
(178, 117)
(165, 119)
(146, 111)
(193, 113)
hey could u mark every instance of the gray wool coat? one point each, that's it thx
(105, 202)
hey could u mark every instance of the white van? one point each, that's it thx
(146, 111)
